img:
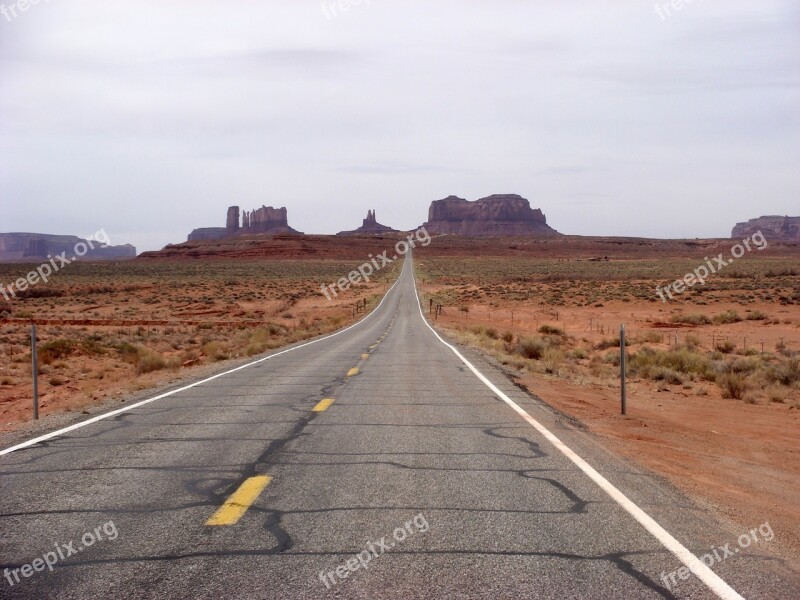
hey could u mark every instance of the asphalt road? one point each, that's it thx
(238, 488)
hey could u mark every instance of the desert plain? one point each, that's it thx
(713, 374)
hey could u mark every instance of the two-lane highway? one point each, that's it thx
(377, 462)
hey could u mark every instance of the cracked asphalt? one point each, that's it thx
(412, 434)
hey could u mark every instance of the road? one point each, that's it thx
(374, 463)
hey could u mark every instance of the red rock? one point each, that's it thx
(262, 220)
(30, 246)
(773, 228)
(498, 215)
(370, 226)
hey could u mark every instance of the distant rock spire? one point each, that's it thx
(370, 226)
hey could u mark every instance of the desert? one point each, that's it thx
(458, 300)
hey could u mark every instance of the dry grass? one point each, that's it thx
(739, 372)
(115, 326)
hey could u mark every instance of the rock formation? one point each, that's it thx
(232, 225)
(369, 226)
(773, 228)
(37, 246)
(208, 233)
(262, 220)
(498, 215)
(266, 220)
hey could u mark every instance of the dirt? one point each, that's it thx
(106, 330)
(193, 305)
(740, 457)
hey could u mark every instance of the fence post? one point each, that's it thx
(35, 364)
(623, 399)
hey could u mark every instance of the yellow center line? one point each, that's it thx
(365, 356)
(323, 405)
(238, 503)
(353, 371)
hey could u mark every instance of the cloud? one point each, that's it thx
(152, 117)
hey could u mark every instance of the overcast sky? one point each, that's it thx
(149, 118)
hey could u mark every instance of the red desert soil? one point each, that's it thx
(740, 456)
(109, 329)
(200, 302)
(743, 458)
(745, 461)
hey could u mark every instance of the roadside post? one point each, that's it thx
(623, 399)
(35, 364)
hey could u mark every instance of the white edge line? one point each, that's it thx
(714, 582)
(119, 411)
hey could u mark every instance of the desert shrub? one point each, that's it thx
(608, 343)
(786, 373)
(51, 351)
(552, 359)
(508, 337)
(275, 329)
(41, 292)
(597, 368)
(148, 360)
(215, 350)
(531, 347)
(692, 319)
(692, 341)
(733, 385)
(743, 365)
(127, 352)
(726, 347)
(550, 330)
(666, 375)
(492, 333)
(257, 342)
(755, 315)
(655, 364)
(92, 346)
(727, 317)
(653, 337)
(579, 354)
(776, 394)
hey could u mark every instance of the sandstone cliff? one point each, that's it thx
(207, 233)
(261, 220)
(497, 215)
(369, 226)
(266, 220)
(37, 246)
(773, 228)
